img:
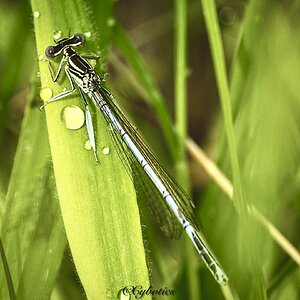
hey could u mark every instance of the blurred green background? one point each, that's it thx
(261, 41)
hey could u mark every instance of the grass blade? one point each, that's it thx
(247, 232)
(102, 222)
(214, 35)
(31, 227)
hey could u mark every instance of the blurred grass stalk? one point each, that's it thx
(101, 221)
(181, 124)
(214, 35)
(249, 253)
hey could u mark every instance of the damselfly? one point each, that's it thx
(170, 198)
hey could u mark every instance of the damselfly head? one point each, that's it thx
(74, 41)
(64, 43)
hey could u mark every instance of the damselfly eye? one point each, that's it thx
(50, 52)
(80, 38)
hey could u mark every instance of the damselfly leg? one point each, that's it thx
(62, 94)
(88, 117)
(89, 125)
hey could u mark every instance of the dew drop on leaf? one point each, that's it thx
(73, 117)
(57, 34)
(36, 14)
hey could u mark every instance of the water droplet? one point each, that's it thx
(41, 57)
(87, 145)
(46, 93)
(88, 34)
(46, 80)
(73, 117)
(36, 14)
(64, 89)
(105, 150)
(227, 15)
(38, 74)
(111, 22)
(57, 34)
